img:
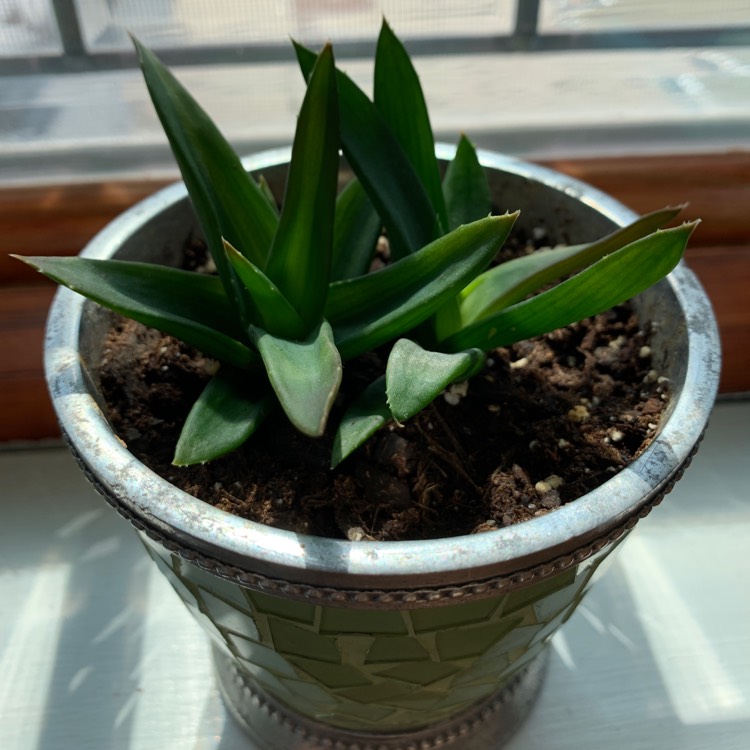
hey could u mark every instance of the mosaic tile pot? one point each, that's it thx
(323, 643)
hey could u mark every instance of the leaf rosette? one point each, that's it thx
(294, 298)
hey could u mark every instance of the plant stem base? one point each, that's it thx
(271, 725)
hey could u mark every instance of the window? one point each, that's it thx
(649, 100)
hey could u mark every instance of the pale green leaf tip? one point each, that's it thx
(35, 262)
(140, 48)
(229, 248)
(179, 462)
(687, 227)
(181, 459)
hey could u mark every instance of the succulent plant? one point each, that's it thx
(294, 295)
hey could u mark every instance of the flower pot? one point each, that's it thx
(322, 643)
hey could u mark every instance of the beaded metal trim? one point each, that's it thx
(371, 598)
(493, 719)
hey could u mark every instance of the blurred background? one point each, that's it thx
(648, 100)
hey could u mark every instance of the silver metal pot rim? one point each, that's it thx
(293, 556)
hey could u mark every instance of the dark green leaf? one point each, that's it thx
(305, 375)
(415, 376)
(608, 282)
(356, 231)
(363, 418)
(271, 309)
(228, 411)
(190, 306)
(465, 186)
(513, 281)
(467, 195)
(372, 309)
(399, 98)
(227, 200)
(381, 165)
(300, 258)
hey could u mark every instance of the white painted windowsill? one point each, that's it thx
(96, 650)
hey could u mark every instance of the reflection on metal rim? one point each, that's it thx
(685, 312)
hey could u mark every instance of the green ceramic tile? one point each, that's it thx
(254, 653)
(521, 658)
(292, 639)
(423, 673)
(519, 637)
(271, 684)
(549, 607)
(259, 674)
(313, 694)
(339, 620)
(484, 671)
(387, 690)
(359, 716)
(439, 618)
(331, 675)
(523, 617)
(549, 629)
(537, 591)
(396, 649)
(382, 670)
(286, 609)
(471, 641)
(424, 700)
(465, 695)
(354, 648)
(222, 589)
(228, 616)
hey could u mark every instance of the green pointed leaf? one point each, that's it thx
(228, 411)
(372, 309)
(271, 310)
(415, 377)
(513, 281)
(465, 186)
(467, 195)
(301, 255)
(305, 375)
(192, 307)
(399, 98)
(608, 282)
(355, 234)
(363, 418)
(381, 165)
(227, 200)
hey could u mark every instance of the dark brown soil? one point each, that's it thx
(547, 421)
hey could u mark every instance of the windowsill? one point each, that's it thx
(95, 641)
(92, 126)
(651, 128)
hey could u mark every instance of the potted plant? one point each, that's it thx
(354, 642)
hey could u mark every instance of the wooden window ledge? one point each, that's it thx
(60, 219)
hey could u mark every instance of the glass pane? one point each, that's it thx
(586, 16)
(28, 27)
(178, 23)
